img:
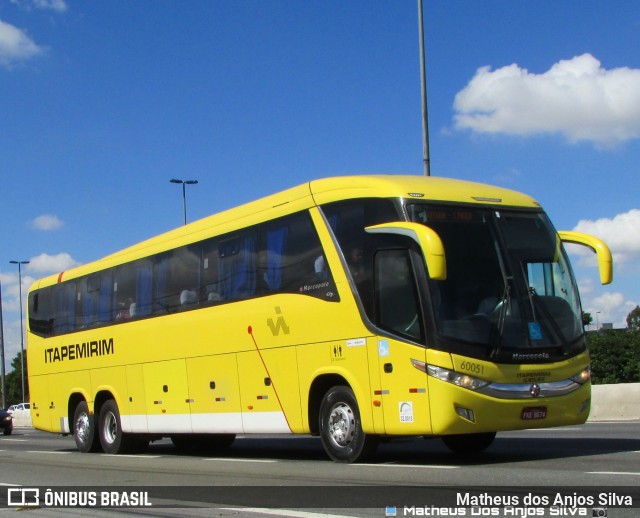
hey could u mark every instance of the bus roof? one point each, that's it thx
(316, 192)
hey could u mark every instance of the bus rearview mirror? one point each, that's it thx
(428, 240)
(605, 262)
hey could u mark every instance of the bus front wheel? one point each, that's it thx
(112, 438)
(341, 428)
(469, 443)
(84, 432)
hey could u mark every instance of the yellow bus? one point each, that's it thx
(354, 308)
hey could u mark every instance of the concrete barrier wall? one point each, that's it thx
(615, 402)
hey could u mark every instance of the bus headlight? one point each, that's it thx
(457, 378)
(583, 376)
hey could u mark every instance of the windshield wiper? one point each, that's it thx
(548, 319)
(503, 306)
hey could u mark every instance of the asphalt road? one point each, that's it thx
(268, 475)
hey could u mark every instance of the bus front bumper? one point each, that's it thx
(458, 410)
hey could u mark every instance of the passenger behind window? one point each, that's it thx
(123, 310)
(212, 293)
(320, 267)
(355, 261)
(188, 297)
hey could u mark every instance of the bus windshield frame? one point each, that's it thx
(510, 295)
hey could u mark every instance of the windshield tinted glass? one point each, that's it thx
(508, 282)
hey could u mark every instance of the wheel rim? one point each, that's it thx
(83, 428)
(110, 428)
(342, 425)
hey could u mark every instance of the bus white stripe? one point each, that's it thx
(231, 422)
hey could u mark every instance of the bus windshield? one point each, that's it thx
(509, 284)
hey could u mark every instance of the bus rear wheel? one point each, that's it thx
(84, 432)
(112, 438)
(341, 428)
(469, 443)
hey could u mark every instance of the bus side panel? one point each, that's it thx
(405, 399)
(167, 397)
(40, 402)
(261, 411)
(376, 384)
(282, 365)
(214, 392)
(112, 380)
(61, 387)
(134, 413)
(344, 358)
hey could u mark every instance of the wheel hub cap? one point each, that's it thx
(341, 425)
(110, 428)
(82, 428)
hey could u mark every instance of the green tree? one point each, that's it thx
(615, 356)
(587, 319)
(13, 382)
(633, 320)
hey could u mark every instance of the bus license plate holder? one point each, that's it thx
(533, 412)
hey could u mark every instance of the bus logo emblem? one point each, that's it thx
(534, 390)
(279, 324)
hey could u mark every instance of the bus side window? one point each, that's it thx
(104, 299)
(65, 317)
(210, 286)
(273, 258)
(94, 294)
(302, 262)
(41, 316)
(177, 280)
(397, 304)
(237, 266)
(132, 287)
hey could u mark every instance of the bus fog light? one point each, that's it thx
(466, 413)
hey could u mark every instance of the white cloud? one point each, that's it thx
(15, 45)
(45, 263)
(47, 222)
(621, 233)
(609, 307)
(53, 5)
(576, 98)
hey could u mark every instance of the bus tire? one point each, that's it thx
(341, 428)
(469, 443)
(112, 438)
(84, 430)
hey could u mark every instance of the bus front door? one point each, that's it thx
(401, 360)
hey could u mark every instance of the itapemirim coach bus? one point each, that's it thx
(356, 308)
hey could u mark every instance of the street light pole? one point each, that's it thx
(423, 88)
(184, 193)
(4, 387)
(20, 263)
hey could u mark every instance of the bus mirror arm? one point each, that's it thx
(428, 240)
(605, 262)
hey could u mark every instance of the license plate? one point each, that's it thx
(534, 412)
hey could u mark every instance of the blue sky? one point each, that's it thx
(103, 102)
